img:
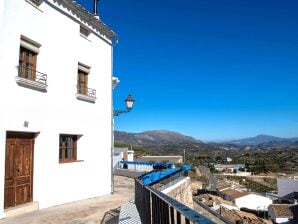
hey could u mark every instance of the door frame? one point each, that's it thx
(21, 134)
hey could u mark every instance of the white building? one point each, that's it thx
(56, 103)
(280, 213)
(254, 202)
(122, 153)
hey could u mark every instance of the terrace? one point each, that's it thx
(141, 201)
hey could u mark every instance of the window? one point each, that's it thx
(83, 91)
(27, 64)
(82, 82)
(68, 148)
(29, 50)
(84, 32)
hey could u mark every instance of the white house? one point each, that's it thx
(122, 153)
(280, 213)
(56, 103)
(254, 202)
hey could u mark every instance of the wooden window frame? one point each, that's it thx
(82, 82)
(64, 149)
(27, 64)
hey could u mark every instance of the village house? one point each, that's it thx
(56, 104)
(122, 153)
(244, 199)
(280, 213)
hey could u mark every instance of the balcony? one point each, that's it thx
(32, 79)
(86, 94)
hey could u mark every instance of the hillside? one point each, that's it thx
(154, 138)
(263, 139)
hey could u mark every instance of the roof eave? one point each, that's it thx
(85, 16)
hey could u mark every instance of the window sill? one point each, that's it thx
(70, 161)
(86, 98)
(31, 84)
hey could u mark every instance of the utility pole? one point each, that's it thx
(184, 159)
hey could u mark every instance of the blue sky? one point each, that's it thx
(212, 69)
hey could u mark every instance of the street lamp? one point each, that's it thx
(129, 101)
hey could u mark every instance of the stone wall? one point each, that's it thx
(181, 191)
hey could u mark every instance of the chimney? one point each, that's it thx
(95, 9)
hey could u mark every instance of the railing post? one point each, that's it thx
(187, 221)
(172, 215)
(154, 207)
(178, 217)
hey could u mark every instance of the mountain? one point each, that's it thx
(261, 139)
(153, 138)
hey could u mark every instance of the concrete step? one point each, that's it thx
(21, 209)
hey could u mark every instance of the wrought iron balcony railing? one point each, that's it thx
(155, 207)
(31, 78)
(87, 91)
(86, 94)
(33, 75)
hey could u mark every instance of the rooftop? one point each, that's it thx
(85, 17)
(234, 193)
(282, 210)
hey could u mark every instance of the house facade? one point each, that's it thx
(56, 103)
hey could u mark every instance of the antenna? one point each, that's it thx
(95, 7)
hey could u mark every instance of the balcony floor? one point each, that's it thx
(95, 210)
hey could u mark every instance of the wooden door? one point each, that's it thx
(18, 169)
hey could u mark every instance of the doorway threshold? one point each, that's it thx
(21, 209)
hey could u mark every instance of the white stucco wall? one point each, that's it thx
(286, 186)
(117, 158)
(282, 220)
(57, 110)
(130, 154)
(253, 201)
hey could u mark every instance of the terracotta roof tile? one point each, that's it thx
(234, 193)
(282, 210)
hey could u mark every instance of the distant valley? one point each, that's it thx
(262, 153)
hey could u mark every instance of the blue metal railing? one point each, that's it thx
(158, 208)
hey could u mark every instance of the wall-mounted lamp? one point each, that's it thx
(129, 101)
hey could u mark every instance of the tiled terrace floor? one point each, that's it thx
(90, 211)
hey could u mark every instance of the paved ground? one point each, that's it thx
(91, 211)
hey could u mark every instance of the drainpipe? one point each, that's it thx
(112, 125)
(113, 44)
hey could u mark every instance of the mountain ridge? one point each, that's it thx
(164, 137)
(260, 139)
(153, 137)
